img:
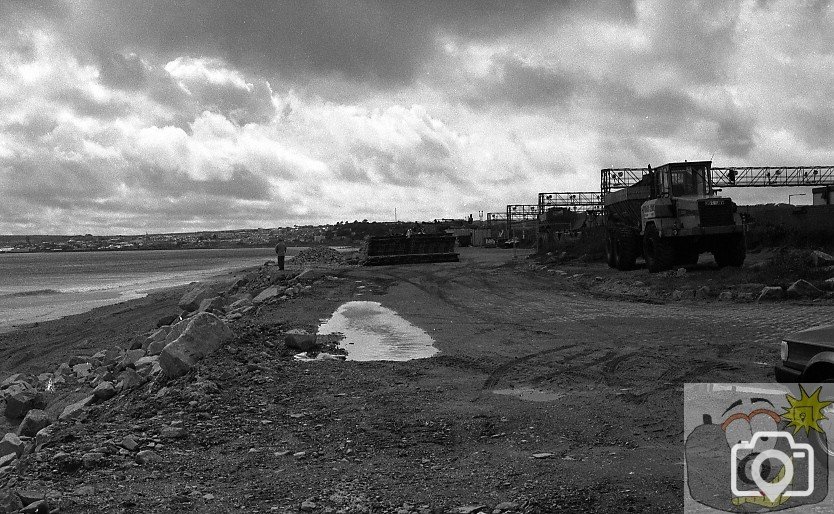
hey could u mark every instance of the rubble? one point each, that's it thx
(204, 334)
(267, 294)
(318, 255)
(301, 340)
(104, 391)
(11, 444)
(212, 304)
(19, 404)
(821, 259)
(191, 300)
(148, 457)
(34, 421)
(77, 409)
(770, 293)
(803, 289)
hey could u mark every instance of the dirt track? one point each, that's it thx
(432, 432)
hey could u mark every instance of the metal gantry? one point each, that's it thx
(570, 200)
(618, 178)
(733, 176)
(493, 217)
(772, 176)
(521, 212)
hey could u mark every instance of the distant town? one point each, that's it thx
(342, 233)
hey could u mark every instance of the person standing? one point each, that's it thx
(281, 251)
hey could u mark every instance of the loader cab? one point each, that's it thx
(683, 179)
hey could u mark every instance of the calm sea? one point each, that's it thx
(43, 286)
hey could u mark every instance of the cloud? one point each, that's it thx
(204, 114)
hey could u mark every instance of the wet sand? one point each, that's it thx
(42, 346)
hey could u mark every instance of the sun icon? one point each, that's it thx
(805, 411)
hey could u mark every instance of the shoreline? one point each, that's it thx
(40, 346)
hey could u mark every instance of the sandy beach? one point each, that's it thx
(40, 347)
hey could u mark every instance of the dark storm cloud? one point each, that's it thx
(371, 40)
(121, 71)
(735, 135)
(814, 127)
(85, 104)
(48, 181)
(242, 184)
(525, 85)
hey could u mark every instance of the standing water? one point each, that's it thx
(376, 333)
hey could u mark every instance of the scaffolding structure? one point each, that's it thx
(732, 176)
(570, 200)
(773, 176)
(520, 213)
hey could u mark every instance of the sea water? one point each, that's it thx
(36, 287)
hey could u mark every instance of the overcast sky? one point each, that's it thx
(126, 116)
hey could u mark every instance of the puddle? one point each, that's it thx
(376, 333)
(530, 394)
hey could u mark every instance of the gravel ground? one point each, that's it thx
(589, 369)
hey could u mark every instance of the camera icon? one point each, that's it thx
(750, 457)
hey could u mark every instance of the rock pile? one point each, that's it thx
(318, 255)
(104, 376)
(116, 378)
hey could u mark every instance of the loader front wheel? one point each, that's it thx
(628, 248)
(731, 252)
(659, 252)
(610, 249)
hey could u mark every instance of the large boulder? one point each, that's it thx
(34, 421)
(190, 301)
(177, 330)
(204, 334)
(167, 320)
(828, 284)
(155, 348)
(212, 304)
(240, 304)
(269, 292)
(13, 379)
(128, 379)
(76, 410)
(11, 444)
(803, 289)
(104, 390)
(819, 259)
(130, 357)
(302, 341)
(770, 293)
(18, 405)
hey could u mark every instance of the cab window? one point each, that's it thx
(687, 181)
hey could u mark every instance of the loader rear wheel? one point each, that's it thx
(659, 252)
(628, 248)
(731, 252)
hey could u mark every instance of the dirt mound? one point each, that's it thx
(318, 255)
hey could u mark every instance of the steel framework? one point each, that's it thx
(521, 212)
(773, 176)
(570, 200)
(618, 178)
(496, 216)
(733, 176)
